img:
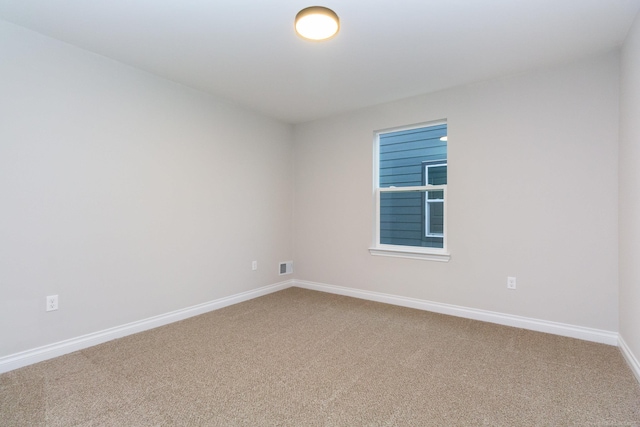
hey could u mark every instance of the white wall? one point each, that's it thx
(532, 193)
(125, 194)
(131, 196)
(630, 193)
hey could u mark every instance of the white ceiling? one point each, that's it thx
(246, 50)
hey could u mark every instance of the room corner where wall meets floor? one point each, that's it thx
(61, 348)
(302, 357)
(25, 358)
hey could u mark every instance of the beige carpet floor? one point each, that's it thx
(305, 358)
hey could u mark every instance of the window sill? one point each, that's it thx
(410, 252)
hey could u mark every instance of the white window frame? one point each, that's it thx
(398, 251)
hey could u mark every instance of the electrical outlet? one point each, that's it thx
(511, 282)
(52, 302)
(254, 265)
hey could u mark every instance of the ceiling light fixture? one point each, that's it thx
(317, 23)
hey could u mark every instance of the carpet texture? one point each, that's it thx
(305, 358)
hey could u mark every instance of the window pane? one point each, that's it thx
(402, 220)
(435, 194)
(436, 217)
(437, 175)
(402, 155)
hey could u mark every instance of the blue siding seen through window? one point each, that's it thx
(403, 156)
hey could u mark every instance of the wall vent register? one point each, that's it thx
(286, 267)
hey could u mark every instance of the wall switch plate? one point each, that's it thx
(254, 265)
(511, 282)
(52, 302)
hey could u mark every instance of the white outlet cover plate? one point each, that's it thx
(52, 302)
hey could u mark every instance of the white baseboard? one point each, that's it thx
(563, 329)
(18, 360)
(632, 361)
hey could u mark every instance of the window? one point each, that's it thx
(410, 192)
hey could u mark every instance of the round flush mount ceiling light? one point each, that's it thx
(317, 23)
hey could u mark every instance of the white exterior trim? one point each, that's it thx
(28, 357)
(428, 202)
